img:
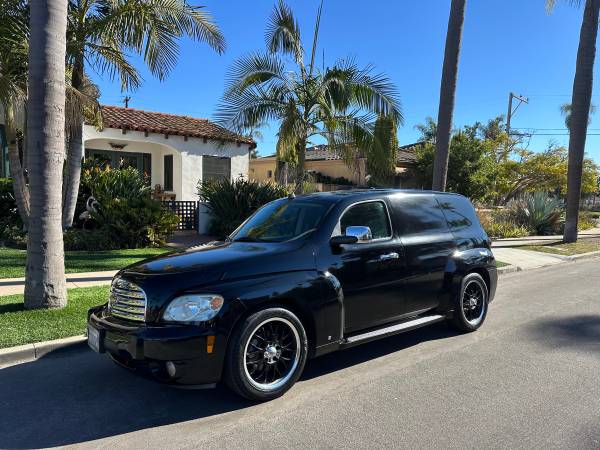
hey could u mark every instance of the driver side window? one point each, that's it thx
(369, 214)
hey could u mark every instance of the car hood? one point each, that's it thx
(226, 260)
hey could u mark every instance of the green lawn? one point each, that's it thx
(501, 264)
(12, 261)
(583, 245)
(18, 326)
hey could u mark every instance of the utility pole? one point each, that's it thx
(126, 100)
(511, 111)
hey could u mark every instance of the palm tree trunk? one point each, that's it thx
(447, 93)
(45, 272)
(74, 152)
(16, 169)
(580, 112)
(301, 152)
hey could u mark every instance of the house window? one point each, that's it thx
(168, 176)
(216, 168)
(269, 174)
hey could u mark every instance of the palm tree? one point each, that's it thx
(565, 110)
(45, 285)
(580, 110)
(101, 34)
(339, 103)
(14, 50)
(447, 93)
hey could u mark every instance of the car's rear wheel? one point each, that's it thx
(471, 303)
(266, 355)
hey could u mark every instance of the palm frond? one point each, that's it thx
(283, 33)
(255, 69)
(551, 3)
(110, 60)
(152, 29)
(292, 131)
(242, 111)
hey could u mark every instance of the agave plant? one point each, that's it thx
(539, 211)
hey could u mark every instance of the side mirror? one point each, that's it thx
(336, 241)
(362, 234)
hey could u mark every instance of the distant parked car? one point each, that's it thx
(302, 277)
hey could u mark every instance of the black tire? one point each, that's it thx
(270, 343)
(471, 303)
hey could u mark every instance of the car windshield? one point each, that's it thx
(280, 221)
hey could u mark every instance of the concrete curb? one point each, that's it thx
(31, 352)
(508, 269)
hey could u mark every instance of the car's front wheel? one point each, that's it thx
(266, 355)
(471, 303)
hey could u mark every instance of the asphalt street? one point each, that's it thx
(529, 378)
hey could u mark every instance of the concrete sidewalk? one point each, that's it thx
(541, 240)
(12, 286)
(508, 251)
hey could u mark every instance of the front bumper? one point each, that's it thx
(147, 349)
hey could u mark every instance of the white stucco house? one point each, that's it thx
(174, 151)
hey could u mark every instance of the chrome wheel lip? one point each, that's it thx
(273, 386)
(482, 291)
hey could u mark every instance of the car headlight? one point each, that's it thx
(193, 308)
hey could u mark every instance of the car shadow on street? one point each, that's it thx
(375, 349)
(580, 332)
(77, 396)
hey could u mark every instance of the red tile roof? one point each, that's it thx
(154, 122)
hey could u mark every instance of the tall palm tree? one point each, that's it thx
(45, 285)
(14, 51)
(339, 103)
(102, 33)
(447, 93)
(566, 110)
(580, 110)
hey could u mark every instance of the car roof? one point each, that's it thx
(363, 194)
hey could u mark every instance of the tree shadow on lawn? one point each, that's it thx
(76, 396)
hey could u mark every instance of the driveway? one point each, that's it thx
(527, 379)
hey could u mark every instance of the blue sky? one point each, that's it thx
(513, 45)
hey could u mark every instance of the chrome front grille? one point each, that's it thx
(127, 301)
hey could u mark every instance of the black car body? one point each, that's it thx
(307, 267)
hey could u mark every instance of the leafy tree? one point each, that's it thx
(487, 165)
(339, 103)
(580, 110)
(470, 167)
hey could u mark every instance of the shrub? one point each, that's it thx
(538, 211)
(231, 202)
(9, 215)
(125, 216)
(89, 240)
(106, 184)
(135, 223)
(586, 221)
(507, 229)
(500, 224)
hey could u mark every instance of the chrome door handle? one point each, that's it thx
(389, 256)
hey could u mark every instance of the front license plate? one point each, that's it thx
(94, 340)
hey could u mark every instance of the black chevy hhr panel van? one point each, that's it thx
(300, 278)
